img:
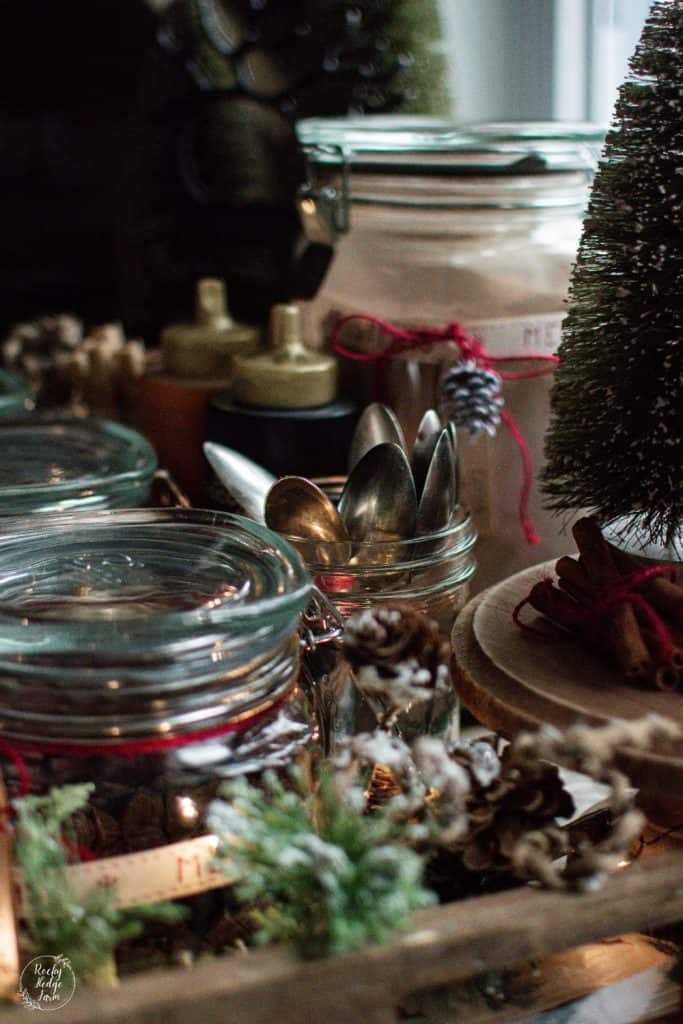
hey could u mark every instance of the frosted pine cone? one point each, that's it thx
(397, 653)
(471, 397)
(37, 349)
(509, 807)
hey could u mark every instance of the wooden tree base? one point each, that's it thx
(511, 681)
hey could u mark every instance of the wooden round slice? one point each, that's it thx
(511, 681)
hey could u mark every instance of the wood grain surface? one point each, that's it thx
(444, 944)
(511, 680)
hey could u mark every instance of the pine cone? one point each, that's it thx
(143, 822)
(471, 397)
(37, 348)
(397, 653)
(515, 804)
(385, 635)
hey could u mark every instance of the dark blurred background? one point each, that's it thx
(69, 75)
(141, 149)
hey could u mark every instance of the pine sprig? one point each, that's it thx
(329, 878)
(613, 446)
(84, 929)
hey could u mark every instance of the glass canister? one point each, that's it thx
(152, 653)
(476, 225)
(431, 574)
(57, 465)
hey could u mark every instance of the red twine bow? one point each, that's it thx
(561, 608)
(471, 349)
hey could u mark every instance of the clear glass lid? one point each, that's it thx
(61, 464)
(13, 395)
(129, 623)
(431, 146)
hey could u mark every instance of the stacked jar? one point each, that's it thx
(64, 464)
(152, 654)
(477, 226)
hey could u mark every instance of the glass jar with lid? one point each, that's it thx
(477, 225)
(153, 654)
(58, 465)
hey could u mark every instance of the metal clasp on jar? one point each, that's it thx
(321, 623)
(323, 215)
(324, 677)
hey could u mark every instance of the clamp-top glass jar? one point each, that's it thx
(152, 653)
(61, 465)
(440, 223)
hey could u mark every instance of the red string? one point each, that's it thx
(15, 749)
(20, 765)
(557, 605)
(470, 348)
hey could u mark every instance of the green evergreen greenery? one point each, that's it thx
(614, 443)
(328, 878)
(85, 930)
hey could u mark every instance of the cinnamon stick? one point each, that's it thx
(573, 577)
(664, 595)
(621, 624)
(667, 677)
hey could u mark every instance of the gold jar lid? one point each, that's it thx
(287, 375)
(206, 347)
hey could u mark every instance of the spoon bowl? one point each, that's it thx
(426, 439)
(379, 501)
(377, 425)
(439, 494)
(300, 510)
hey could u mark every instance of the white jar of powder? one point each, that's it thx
(478, 225)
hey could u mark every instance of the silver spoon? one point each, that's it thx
(298, 508)
(438, 497)
(425, 442)
(453, 435)
(377, 425)
(244, 480)
(403, 384)
(379, 500)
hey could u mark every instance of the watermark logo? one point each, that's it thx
(47, 983)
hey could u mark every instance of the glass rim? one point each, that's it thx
(418, 550)
(139, 449)
(435, 146)
(160, 674)
(13, 394)
(46, 528)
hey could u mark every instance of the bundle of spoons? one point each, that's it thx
(387, 496)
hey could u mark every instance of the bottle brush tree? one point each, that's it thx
(614, 441)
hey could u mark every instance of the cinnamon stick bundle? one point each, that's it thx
(642, 635)
(621, 623)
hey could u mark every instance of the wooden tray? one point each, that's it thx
(511, 680)
(444, 945)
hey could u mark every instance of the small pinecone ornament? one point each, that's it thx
(471, 397)
(506, 805)
(41, 350)
(398, 656)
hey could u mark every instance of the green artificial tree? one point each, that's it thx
(614, 442)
